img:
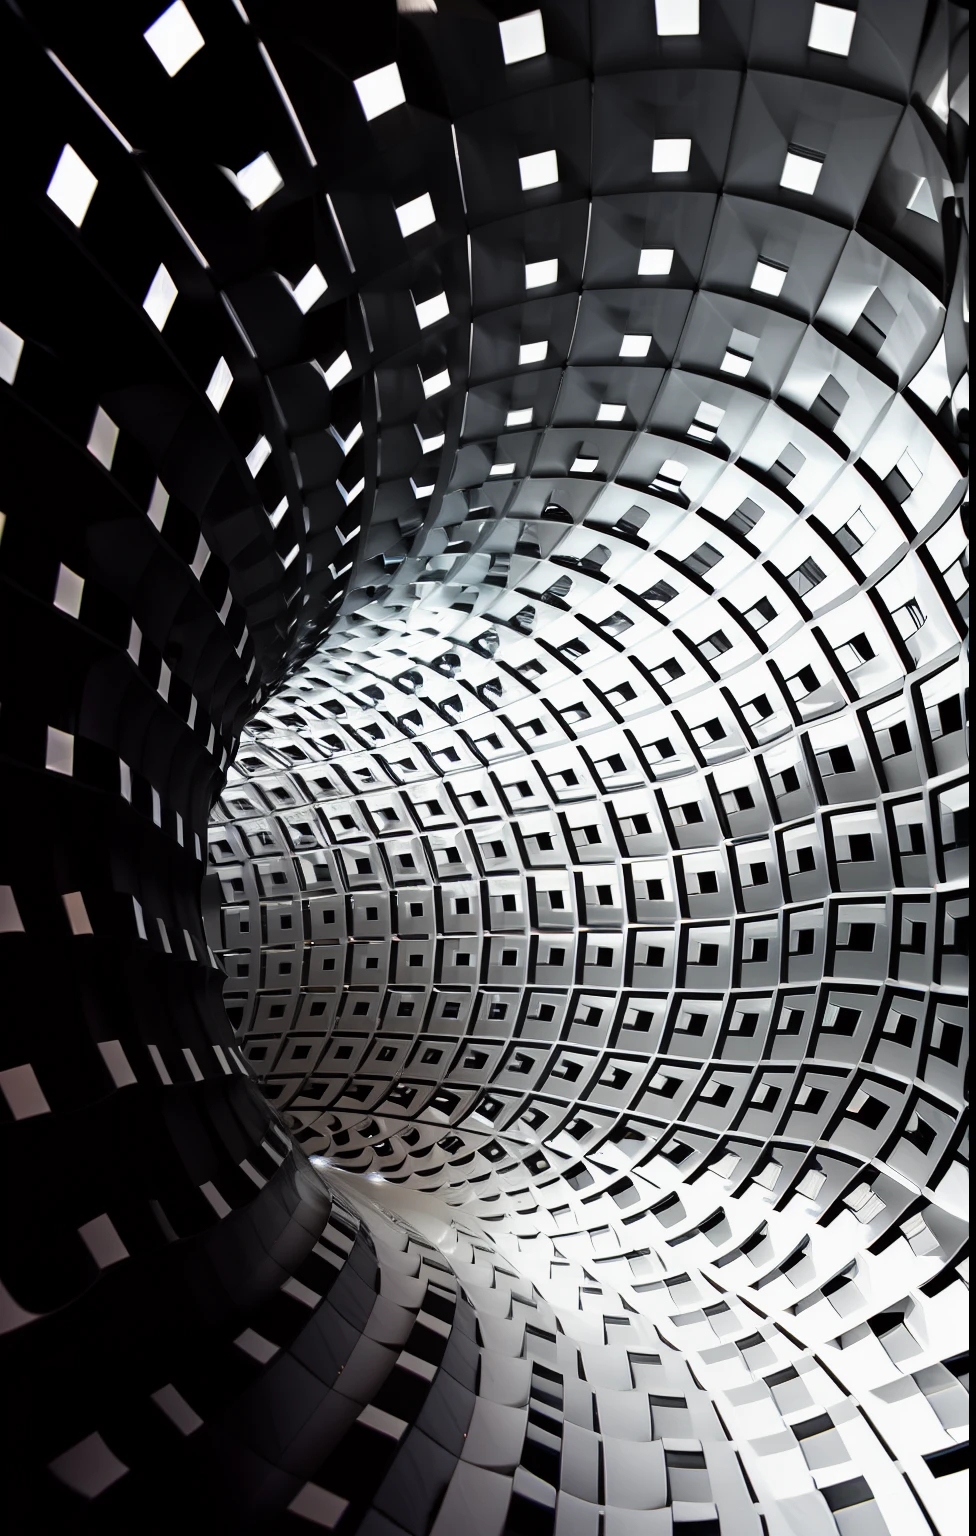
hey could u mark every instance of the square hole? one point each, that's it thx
(676, 18)
(416, 214)
(309, 289)
(539, 274)
(670, 155)
(160, 298)
(259, 180)
(769, 277)
(831, 29)
(540, 170)
(434, 385)
(735, 363)
(72, 186)
(337, 370)
(523, 37)
(635, 346)
(655, 262)
(174, 38)
(801, 170)
(380, 91)
(429, 311)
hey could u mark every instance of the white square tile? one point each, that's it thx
(538, 274)
(60, 754)
(710, 415)
(831, 29)
(160, 298)
(670, 155)
(635, 346)
(11, 347)
(673, 470)
(258, 456)
(732, 362)
(174, 38)
(429, 311)
(103, 438)
(676, 18)
(437, 383)
(380, 91)
(655, 262)
(72, 186)
(416, 214)
(768, 278)
(532, 352)
(338, 370)
(309, 289)
(800, 172)
(258, 181)
(540, 170)
(523, 37)
(220, 383)
(69, 592)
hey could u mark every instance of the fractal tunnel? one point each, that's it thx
(484, 499)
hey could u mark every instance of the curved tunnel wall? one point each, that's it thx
(595, 880)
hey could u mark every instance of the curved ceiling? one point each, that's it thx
(515, 467)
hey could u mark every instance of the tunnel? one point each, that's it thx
(483, 883)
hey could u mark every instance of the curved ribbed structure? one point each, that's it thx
(508, 473)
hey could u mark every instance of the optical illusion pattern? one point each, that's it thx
(595, 885)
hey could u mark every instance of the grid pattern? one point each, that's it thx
(601, 876)
(511, 469)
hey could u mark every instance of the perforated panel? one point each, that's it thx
(508, 472)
